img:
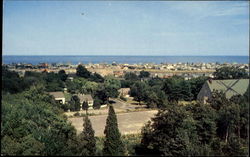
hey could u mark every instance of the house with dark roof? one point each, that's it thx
(59, 96)
(86, 98)
(229, 87)
(124, 92)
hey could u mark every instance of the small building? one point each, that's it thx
(86, 98)
(59, 96)
(124, 92)
(229, 87)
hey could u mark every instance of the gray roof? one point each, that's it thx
(125, 90)
(84, 97)
(57, 94)
(230, 87)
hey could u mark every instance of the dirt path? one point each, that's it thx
(127, 122)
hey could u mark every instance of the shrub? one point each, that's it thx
(77, 114)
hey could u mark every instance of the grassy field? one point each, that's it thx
(128, 123)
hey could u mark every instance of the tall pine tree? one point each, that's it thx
(87, 145)
(113, 145)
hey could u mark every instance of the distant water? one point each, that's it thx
(124, 59)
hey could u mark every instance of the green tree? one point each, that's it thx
(144, 74)
(111, 86)
(32, 124)
(113, 145)
(87, 145)
(81, 71)
(97, 103)
(230, 73)
(11, 82)
(196, 85)
(74, 103)
(138, 91)
(170, 132)
(85, 106)
(101, 94)
(96, 78)
(205, 117)
(62, 75)
(112, 82)
(131, 76)
(176, 88)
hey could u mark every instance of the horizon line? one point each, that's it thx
(140, 55)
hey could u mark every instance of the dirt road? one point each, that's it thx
(127, 122)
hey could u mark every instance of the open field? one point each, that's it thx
(128, 123)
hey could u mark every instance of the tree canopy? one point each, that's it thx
(230, 73)
(113, 146)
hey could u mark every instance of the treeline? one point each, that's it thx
(158, 93)
(33, 124)
(216, 129)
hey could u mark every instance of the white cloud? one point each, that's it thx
(203, 9)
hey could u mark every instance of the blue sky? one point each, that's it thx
(125, 28)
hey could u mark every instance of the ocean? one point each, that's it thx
(123, 59)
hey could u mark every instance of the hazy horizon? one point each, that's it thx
(138, 55)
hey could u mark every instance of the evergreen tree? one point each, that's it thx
(170, 133)
(62, 75)
(81, 71)
(87, 145)
(85, 106)
(74, 103)
(113, 145)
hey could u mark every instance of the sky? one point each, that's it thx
(126, 28)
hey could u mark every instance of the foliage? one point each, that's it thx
(205, 117)
(230, 73)
(177, 89)
(81, 71)
(138, 91)
(101, 95)
(111, 86)
(85, 105)
(53, 82)
(97, 103)
(126, 83)
(87, 139)
(131, 76)
(75, 103)
(196, 85)
(96, 78)
(11, 82)
(113, 146)
(144, 74)
(172, 132)
(32, 124)
(62, 75)
(217, 128)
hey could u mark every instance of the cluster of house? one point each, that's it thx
(164, 70)
(63, 97)
(228, 87)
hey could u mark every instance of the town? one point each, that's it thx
(164, 70)
(137, 96)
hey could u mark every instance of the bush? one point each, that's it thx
(77, 114)
(97, 104)
(122, 98)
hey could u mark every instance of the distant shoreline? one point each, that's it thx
(138, 55)
(94, 59)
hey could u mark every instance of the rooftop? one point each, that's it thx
(229, 87)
